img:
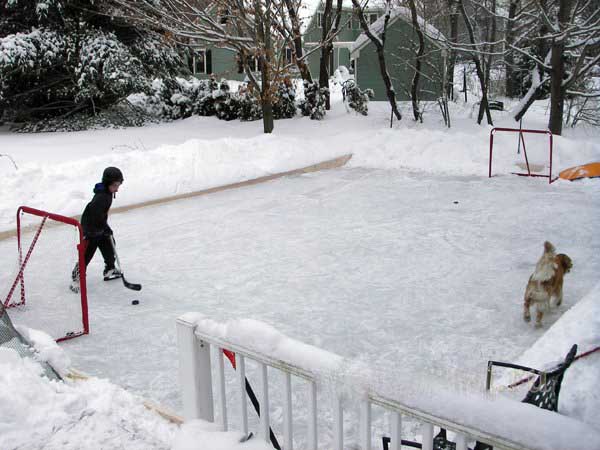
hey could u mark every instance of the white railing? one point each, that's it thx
(195, 343)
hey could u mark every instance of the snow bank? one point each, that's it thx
(64, 188)
(497, 416)
(201, 435)
(37, 413)
(46, 349)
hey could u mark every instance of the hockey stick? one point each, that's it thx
(231, 357)
(127, 284)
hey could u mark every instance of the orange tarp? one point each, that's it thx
(590, 170)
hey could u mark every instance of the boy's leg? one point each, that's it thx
(108, 253)
(90, 249)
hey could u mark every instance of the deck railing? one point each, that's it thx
(196, 377)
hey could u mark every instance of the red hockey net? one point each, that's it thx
(49, 248)
(540, 145)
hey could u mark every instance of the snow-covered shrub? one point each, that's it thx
(284, 106)
(313, 104)
(107, 70)
(28, 63)
(249, 107)
(56, 61)
(205, 106)
(120, 115)
(226, 105)
(356, 99)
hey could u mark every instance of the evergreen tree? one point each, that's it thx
(59, 57)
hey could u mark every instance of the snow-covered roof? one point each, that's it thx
(310, 7)
(399, 12)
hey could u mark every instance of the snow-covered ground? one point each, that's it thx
(409, 260)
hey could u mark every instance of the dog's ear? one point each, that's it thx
(565, 261)
(548, 247)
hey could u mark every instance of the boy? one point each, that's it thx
(96, 232)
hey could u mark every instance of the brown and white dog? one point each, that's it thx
(546, 282)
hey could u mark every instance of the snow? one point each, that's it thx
(409, 262)
(38, 413)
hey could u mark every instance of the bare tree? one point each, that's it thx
(568, 42)
(379, 45)
(292, 7)
(414, 91)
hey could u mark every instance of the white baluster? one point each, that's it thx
(365, 424)
(427, 433)
(240, 364)
(312, 416)
(461, 441)
(338, 424)
(396, 419)
(264, 404)
(287, 418)
(222, 397)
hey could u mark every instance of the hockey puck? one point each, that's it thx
(135, 302)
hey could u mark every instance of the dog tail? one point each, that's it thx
(548, 247)
(546, 266)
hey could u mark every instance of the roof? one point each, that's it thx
(399, 12)
(310, 7)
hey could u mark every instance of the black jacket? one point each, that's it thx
(95, 215)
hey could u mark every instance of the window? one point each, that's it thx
(224, 14)
(288, 55)
(199, 62)
(320, 20)
(253, 64)
(372, 18)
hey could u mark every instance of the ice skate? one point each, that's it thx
(112, 274)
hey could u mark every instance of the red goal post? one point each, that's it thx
(66, 312)
(521, 131)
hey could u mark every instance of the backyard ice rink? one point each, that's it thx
(412, 275)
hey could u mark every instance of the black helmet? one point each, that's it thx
(110, 175)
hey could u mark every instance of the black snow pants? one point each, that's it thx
(92, 244)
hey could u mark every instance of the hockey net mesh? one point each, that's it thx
(38, 291)
(10, 338)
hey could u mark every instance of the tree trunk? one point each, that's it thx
(511, 86)
(557, 91)
(536, 91)
(327, 46)
(298, 51)
(449, 82)
(379, 45)
(414, 89)
(483, 106)
(264, 36)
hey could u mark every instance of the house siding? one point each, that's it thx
(400, 64)
(341, 56)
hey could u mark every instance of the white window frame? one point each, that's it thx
(319, 20)
(289, 55)
(203, 71)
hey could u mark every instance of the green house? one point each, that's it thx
(350, 30)
(401, 42)
(207, 59)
